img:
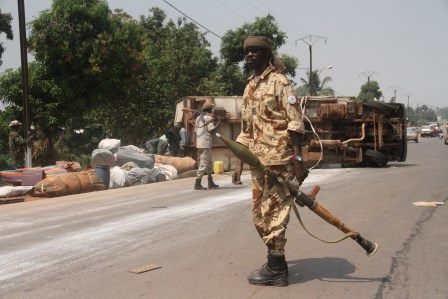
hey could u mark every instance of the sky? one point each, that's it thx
(403, 44)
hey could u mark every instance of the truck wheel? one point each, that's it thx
(375, 157)
(383, 108)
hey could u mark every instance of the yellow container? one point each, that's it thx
(218, 167)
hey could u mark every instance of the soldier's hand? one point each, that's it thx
(299, 171)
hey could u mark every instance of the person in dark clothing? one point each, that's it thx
(173, 136)
(156, 146)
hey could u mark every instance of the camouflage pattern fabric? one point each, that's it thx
(270, 210)
(205, 161)
(16, 148)
(267, 115)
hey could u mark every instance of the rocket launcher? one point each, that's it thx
(301, 198)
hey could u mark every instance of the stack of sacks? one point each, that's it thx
(130, 174)
(130, 154)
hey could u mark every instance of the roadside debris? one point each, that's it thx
(144, 268)
(427, 204)
(11, 191)
(114, 166)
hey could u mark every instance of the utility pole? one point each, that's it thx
(417, 116)
(368, 74)
(310, 40)
(24, 61)
(408, 95)
(395, 88)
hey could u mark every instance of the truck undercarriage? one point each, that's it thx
(340, 131)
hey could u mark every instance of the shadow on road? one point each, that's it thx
(326, 269)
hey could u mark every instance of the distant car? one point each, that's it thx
(412, 134)
(426, 131)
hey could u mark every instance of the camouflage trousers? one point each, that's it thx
(270, 209)
(205, 161)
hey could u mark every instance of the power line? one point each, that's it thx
(280, 17)
(231, 10)
(368, 74)
(196, 6)
(191, 19)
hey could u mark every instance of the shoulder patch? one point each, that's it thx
(292, 100)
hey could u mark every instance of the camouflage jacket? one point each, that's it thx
(16, 142)
(267, 116)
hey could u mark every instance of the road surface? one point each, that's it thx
(83, 246)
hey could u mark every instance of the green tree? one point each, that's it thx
(180, 63)
(5, 27)
(425, 115)
(443, 112)
(232, 52)
(96, 58)
(369, 92)
(314, 83)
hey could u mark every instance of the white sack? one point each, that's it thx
(117, 177)
(11, 191)
(110, 144)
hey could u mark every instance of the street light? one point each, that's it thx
(327, 68)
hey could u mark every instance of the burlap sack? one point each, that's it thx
(182, 164)
(50, 187)
(90, 182)
(68, 183)
(71, 180)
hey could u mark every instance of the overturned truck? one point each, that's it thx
(340, 131)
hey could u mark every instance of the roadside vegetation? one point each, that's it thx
(106, 74)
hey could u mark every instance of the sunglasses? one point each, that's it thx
(253, 50)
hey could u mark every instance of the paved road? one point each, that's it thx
(82, 246)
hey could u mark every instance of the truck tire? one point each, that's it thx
(381, 107)
(375, 157)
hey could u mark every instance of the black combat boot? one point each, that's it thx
(273, 273)
(211, 184)
(197, 184)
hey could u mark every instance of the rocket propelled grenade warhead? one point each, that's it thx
(242, 152)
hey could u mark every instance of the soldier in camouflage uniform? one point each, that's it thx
(204, 127)
(16, 144)
(272, 129)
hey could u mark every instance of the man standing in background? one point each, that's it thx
(183, 138)
(204, 127)
(16, 144)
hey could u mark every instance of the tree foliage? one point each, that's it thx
(314, 85)
(5, 27)
(232, 52)
(109, 74)
(369, 92)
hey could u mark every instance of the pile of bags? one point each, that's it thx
(130, 165)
